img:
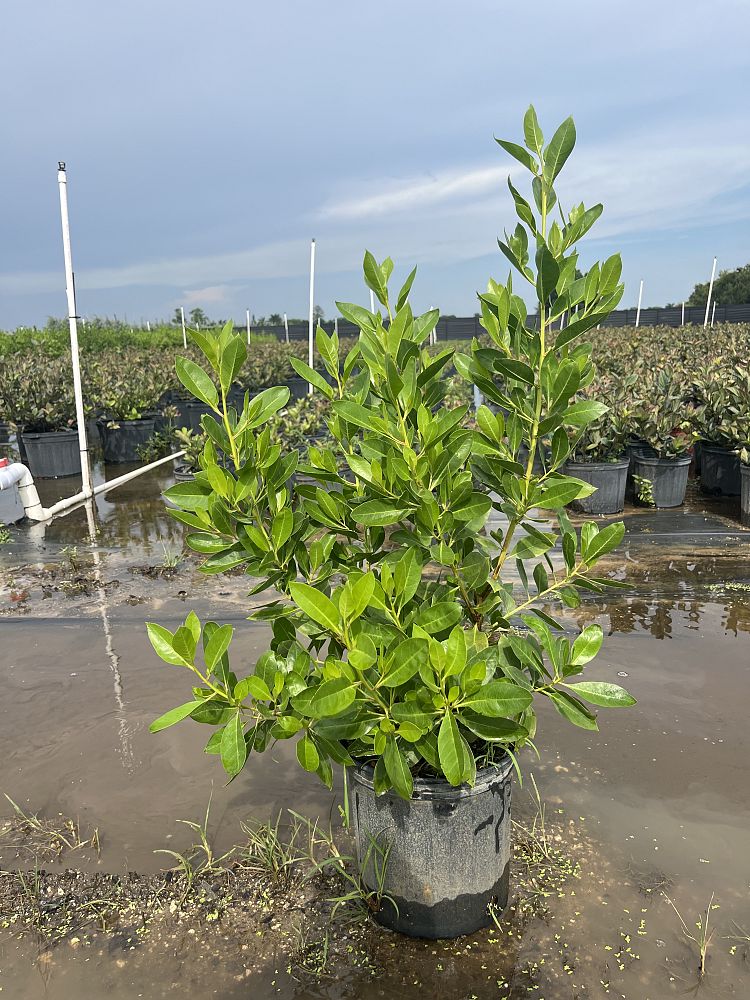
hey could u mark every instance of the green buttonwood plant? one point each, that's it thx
(413, 573)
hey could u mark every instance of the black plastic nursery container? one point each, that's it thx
(745, 494)
(667, 478)
(51, 454)
(720, 470)
(298, 387)
(448, 851)
(122, 440)
(609, 478)
(4, 432)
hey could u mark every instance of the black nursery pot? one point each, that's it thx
(668, 478)
(4, 432)
(609, 478)
(448, 851)
(720, 470)
(51, 454)
(297, 387)
(121, 442)
(745, 494)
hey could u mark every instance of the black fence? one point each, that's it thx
(466, 327)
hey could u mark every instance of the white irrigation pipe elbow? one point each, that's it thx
(18, 475)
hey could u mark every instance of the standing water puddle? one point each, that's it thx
(654, 809)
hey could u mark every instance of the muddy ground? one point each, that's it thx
(655, 809)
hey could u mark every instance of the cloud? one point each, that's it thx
(199, 296)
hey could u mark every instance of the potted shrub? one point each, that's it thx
(398, 649)
(724, 399)
(125, 397)
(192, 444)
(38, 396)
(598, 451)
(660, 467)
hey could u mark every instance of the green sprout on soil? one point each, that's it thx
(701, 938)
(44, 838)
(199, 859)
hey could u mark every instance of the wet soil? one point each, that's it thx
(657, 803)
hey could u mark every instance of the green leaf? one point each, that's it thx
(572, 710)
(476, 506)
(332, 697)
(217, 645)
(456, 758)
(561, 492)
(607, 540)
(233, 747)
(511, 368)
(377, 513)
(438, 617)
(264, 405)
(404, 662)
(173, 716)
(311, 376)
(559, 149)
(233, 358)
(192, 495)
(587, 645)
(548, 271)
(601, 693)
(197, 382)
(532, 133)
(281, 528)
(498, 698)
(356, 596)
(397, 769)
(163, 642)
(316, 606)
(493, 729)
(254, 686)
(374, 277)
(307, 754)
(584, 412)
(519, 153)
(403, 295)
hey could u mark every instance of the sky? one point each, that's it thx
(206, 144)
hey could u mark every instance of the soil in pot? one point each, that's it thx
(720, 470)
(745, 493)
(609, 478)
(660, 482)
(52, 454)
(445, 852)
(122, 440)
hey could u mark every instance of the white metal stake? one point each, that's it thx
(710, 292)
(372, 301)
(83, 445)
(310, 358)
(638, 310)
(184, 335)
(247, 319)
(148, 325)
(336, 325)
(683, 315)
(286, 328)
(713, 312)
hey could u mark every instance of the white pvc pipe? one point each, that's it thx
(372, 301)
(710, 291)
(184, 335)
(19, 475)
(83, 445)
(310, 358)
(148, 325)
(638, 310)
(336, 325)
(286, 328)
(247, 317)
(713, 312)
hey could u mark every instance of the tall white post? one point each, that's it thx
(70, 289)
(247, 318)
(310, 334)
(710, 292)
(683, 315)
(372, 301)
(182, 319)
(148, 325)
(713, 312)
(638, 310)
(336, 325)
(286, 328)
